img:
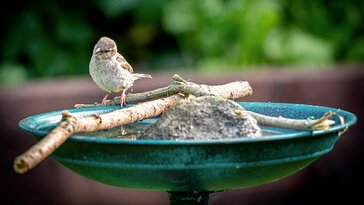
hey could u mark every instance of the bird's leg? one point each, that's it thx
(122, 98)
(104, 100)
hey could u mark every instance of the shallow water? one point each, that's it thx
(131, 131)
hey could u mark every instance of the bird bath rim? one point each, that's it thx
(32, 125)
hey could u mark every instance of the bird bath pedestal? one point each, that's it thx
(190, 170)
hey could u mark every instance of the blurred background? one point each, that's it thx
(55, 38)
(290, 51)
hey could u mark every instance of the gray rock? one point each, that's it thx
(203, 118)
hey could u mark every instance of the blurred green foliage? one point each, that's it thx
(54, 38)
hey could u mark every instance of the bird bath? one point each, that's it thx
(189, 170)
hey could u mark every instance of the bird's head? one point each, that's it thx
(105, 48)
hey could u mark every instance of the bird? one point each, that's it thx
(110, 71)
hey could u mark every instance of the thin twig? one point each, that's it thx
(322, 123)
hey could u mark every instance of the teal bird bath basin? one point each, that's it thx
(190, 170)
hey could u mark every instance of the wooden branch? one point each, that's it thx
(322, 123)
(233, 91)
(70, 125)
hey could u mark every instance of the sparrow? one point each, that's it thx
(110, 71)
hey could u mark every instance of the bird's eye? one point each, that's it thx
(99, 50)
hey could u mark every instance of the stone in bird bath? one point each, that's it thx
(204, 118)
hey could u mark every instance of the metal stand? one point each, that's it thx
(190, 198)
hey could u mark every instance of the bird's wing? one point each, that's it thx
(123, 63)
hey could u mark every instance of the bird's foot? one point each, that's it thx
(105, 100)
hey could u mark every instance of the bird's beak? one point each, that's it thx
(97, 50)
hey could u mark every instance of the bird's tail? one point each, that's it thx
(137, 76)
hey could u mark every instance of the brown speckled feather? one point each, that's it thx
(124, 64)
